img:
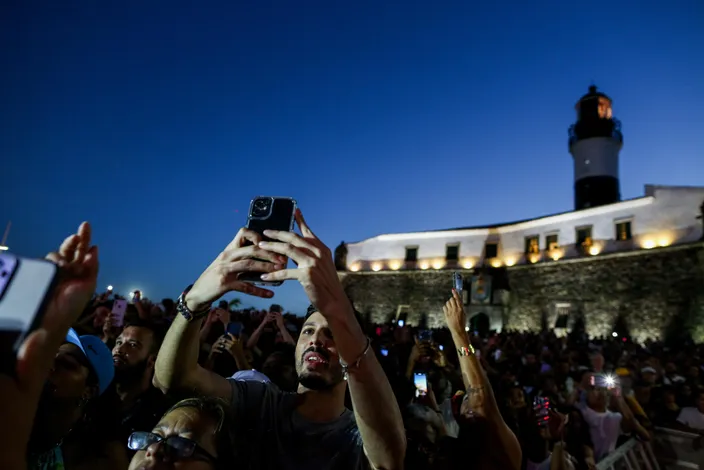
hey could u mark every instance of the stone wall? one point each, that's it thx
(648, 289)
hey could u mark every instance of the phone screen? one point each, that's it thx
(421, 383)
(457, 282)
(234, 328)
(119, 307)
(269, 213)
(384, 352)
(25, 286)
(425, 335)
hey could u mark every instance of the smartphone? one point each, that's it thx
(119, 307)
(136, 296)
(421, 383)
(541, 406)
(234, 328)
(457, 282)
(26, 286)
(425, 335)
(269, 213)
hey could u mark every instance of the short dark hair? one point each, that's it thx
(158, 332)
(276, 308)
(219, 411)
(358, 316)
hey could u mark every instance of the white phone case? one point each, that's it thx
(24, 293)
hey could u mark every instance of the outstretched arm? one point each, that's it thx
(507, 453)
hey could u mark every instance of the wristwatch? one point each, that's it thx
(183, 309)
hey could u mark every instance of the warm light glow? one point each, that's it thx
(424, 265)
(496, 263)
(466, 328)
(376, 267)
(438, 264)
(468, 264)
(395, 265)
(648, 244)
(510, 261)
(594, 250)
(354, 267)
(556, 254)
(534, 258)
(664, 242)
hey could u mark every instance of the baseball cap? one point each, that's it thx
(99, 356)
(250, 376)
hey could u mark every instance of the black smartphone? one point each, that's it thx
(269, 213)
(26, 286)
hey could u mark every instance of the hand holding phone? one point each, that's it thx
(421, 383)
(26, 286)
(119, 307)
(269, 213)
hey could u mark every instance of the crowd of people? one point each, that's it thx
(192, 383)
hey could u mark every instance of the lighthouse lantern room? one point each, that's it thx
(595, 141)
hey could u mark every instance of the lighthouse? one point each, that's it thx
(595, 141)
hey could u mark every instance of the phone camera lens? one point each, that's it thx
(261, 207)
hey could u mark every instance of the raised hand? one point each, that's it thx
(78, 272)
(316, 270)
(222, 275)
(454, 314)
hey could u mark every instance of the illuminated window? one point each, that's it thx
(491, 250)
(452, 253)
(411, 254)
(623, 231)
(584, 238)
(532, 245)
(551, 242)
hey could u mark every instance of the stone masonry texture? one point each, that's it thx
(648, 290)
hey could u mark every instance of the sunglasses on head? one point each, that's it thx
(174, 447)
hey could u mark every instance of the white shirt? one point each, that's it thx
(604, 428)
(691, 417)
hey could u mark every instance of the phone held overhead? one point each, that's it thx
(269, 213)
(26, 286)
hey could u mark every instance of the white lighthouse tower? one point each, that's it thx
(595, 141)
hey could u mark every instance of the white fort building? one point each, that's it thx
(602, 234)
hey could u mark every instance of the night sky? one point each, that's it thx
(159, 123)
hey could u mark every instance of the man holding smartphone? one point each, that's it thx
(311, 428)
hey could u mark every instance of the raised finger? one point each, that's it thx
(303, 225)
(298, 255)
(242, 235)
(250, 265)
(281, 275)
(292, 239)
(68, 248)
(250, 289)
(84, 235)
(253, 251)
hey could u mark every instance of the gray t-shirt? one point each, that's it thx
(272, 435)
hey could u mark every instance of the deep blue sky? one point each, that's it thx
(159, 123)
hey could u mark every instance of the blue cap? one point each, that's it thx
(250, 376)
(99, 356)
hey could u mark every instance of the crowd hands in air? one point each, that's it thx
(184, 385)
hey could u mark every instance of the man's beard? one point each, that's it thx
(131, 374)
(321, 382)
